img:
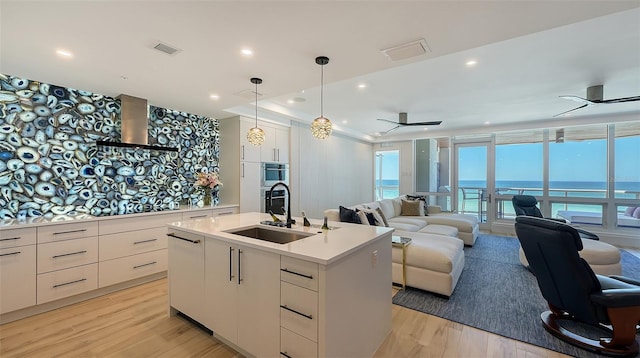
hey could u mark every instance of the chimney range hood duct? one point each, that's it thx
(135, 121)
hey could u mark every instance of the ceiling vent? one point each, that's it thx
(249, 94)
(408, 50)
(169, 50)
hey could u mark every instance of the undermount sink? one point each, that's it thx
(277, 236)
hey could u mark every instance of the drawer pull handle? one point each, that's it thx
(197, 216)
(143, 241)
(69, 232)
(296, 312)
(11, 238)
(11, 253)
(310, 277)
(182, 238)
(69, 283)
(226, 213)
(69, 254)
(285, 355)
(143, 265)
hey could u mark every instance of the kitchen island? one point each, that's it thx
(325, 294)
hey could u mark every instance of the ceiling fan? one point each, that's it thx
(402, 121)
(595, 96)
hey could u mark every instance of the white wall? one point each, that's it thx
(328, 173)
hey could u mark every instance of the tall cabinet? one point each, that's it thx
(240, 160)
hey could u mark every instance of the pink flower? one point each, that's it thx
(210, 180)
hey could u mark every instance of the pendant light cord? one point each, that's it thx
(256, 104)
(322, 91)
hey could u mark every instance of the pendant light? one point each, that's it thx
(321, 126)
(255, 135)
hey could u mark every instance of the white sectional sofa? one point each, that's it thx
(435, 258)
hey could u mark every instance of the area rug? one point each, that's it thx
(496, 293)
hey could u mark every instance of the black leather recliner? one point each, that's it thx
(527, 205)
(574, 292)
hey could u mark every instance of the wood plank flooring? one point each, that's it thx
(135, 323)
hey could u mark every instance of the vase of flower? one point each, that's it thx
(209, 183)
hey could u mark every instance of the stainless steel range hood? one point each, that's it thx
(134, 113)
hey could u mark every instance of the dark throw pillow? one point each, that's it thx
(370, 218)
(349, 216)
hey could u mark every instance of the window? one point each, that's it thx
(387, 183)
(578, 162)
(627, 164)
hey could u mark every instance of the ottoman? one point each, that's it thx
(440, 230)
(603, 258)
(433, 262)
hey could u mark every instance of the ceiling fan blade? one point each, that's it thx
(571, 110)
(432, 123)
(394, 128)
(386, 120)
(578, 99)
(621, 100)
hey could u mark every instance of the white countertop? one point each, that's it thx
(40, 221)
(322, 247)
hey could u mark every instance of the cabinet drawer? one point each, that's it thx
(296, 346)
(226, 211)
(299, 272)
(64, 283)
(68, 253)
(67, 231)
(17, 237)
(113, 246)
(197, 214)
(113, 226)
(299, 310)
(131, 267)
(17, 278)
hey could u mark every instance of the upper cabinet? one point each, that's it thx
(276, 145)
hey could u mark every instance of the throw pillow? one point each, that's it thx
(363, 217)
(630, 210)
(349, 216)
(374, 218)
(636, 214)
(411, 207)
(384, 218)
(423, 198)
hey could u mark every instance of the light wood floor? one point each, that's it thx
(136, 323)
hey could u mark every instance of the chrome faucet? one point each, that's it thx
(289, 221)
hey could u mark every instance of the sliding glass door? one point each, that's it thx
(474, 180)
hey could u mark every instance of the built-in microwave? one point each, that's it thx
(272, 173)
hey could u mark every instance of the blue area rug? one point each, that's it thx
(496, 293)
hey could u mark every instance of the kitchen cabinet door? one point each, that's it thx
(186, 274)
(221, 289)
(249, 187)
(248, 151)
(259, 302)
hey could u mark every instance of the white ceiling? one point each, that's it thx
(528, 54)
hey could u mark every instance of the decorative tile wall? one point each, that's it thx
(50, 163)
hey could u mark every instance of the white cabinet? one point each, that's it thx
(250, 196)
(186, 274)
(248, 151)
(242, 290)
(17, 269)
(276, 145)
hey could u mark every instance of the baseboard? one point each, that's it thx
(49, 306)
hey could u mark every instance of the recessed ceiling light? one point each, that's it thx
(362, 85)
(344, 121)
(290, 101)
(426, 129)
(214, 96)
(471, 63)
(487, 123)
(64, 53)
(247, 51)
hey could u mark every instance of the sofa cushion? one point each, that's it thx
(629, 211)
(387, 208)
(349, 216)
(397, 205)
(411, 208)
(366, 217)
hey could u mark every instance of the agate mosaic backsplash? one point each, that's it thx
(50, 163)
